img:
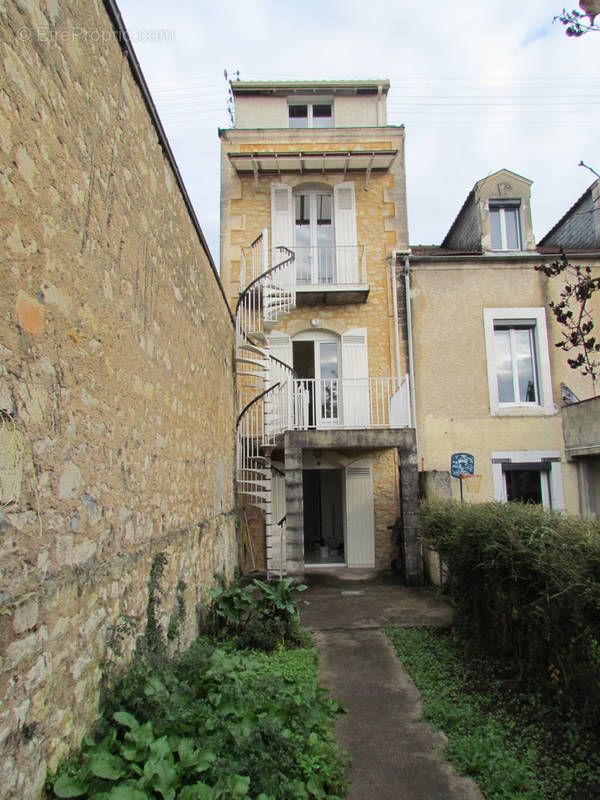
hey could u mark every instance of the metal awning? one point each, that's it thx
(366, 161)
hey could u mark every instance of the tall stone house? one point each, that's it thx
(313, 210)
(489, 380)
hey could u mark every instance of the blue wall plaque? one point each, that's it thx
(461, 464)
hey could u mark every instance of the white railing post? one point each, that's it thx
(265, 250)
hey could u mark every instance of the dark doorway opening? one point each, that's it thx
(323, 516)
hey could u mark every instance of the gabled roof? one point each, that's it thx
(587, 195)
(470, 199)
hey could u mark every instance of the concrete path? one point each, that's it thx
(396, 755)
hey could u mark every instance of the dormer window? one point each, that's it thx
(505, 224)
(311, 115)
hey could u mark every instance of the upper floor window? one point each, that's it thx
(311, 115)
(518, 361)
(505, 224)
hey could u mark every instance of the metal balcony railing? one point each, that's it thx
(322, 265)
(330, 265)
(351, 403)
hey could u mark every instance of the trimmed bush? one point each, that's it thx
(526, 586)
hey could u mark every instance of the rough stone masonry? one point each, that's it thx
(116, 396)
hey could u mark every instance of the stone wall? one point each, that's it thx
(116, 393)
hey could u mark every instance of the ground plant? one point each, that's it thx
(217, 721)
(516, 744)
(526, 586)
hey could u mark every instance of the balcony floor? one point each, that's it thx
(334, 295)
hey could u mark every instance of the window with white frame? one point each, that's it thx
(318, 222)
(310, 115)
(518, 361)
(505, 224)
(528, 476)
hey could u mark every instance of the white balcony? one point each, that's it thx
(338, 403)
(323, 274)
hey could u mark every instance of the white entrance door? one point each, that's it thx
(360, 529)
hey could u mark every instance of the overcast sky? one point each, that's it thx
(479, 84)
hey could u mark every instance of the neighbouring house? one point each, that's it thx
(489, 381)
(116, 382)
(577, 235)
(313, 205)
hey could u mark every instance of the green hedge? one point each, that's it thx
(526, 586)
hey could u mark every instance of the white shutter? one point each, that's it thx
(282, 220)
(360, 529)
(276, 540)
(346, 250)
(282, 229)
(280, 346)
(355, 379)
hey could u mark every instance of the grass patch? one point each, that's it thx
(516, 745)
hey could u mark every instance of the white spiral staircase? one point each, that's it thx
(265, 388)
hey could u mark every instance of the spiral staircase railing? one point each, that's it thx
(265, 391)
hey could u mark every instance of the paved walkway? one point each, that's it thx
(395, 754)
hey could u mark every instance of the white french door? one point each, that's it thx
(317, 365)
(313, 228)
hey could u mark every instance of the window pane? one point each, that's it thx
(329, 359)
(324, 239)
(323, 209)
(321, 116)
(504, 365)
(302, 204)
(298, 116)
(511, 220)
(302, 209)
(496, 231)
(524, 486)
(525, 364)
(328, 354)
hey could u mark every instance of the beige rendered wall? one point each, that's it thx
(452, 396)
(272, 112)
(116, 433)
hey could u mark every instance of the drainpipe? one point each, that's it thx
(411, 359)
(392, 263)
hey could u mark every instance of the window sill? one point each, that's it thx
(523, 410)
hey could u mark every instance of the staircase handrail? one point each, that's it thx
(255, 400)
(291, 256)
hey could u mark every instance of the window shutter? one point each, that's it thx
(282, 229)
(344, 204)
(355, 379)
(360, 528)
(280, 346)
(282, 219)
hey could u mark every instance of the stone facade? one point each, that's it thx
(358, 132)
(116, 394)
